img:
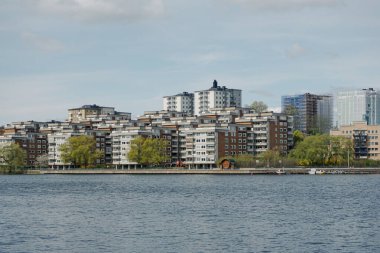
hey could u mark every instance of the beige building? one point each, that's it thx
(366, 139)
(95, 112)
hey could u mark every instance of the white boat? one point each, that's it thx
(320, 172)
(314, 171)
(280, 172)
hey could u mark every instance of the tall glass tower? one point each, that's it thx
(358, 105)
(312, 113)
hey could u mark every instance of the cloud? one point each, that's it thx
(42, 43)
(279, 5)
(296, 50)
(99, 10)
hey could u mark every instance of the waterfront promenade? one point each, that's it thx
(245, 171)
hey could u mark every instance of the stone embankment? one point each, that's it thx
(267, 171)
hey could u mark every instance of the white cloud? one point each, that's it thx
(287, 4)
(43, 43)
(296, 50)
(95, 10)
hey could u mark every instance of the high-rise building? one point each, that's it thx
(358, 105)
(216, 97)
(312, 113)
(183, 102)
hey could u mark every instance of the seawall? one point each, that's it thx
(251, 171)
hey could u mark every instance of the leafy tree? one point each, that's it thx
(270, 157)
(12, 155)
(80, 151)
(148, 151)
(259, 106)
(322, 150)
(136, 152)
(298, 136)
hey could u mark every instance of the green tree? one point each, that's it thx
(259, 106)
(298, 137)
(80, 151)
(322, 150)
(136, 152)
(271, 157)
(13, 156)
(148, 151)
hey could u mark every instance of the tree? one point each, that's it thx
(148, 151)
(259, 106)
(271, 157)
(12, 155)
(136, 152)
(80, 151)
(298, 137)
(322, 150)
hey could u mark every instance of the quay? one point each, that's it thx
(249, 171)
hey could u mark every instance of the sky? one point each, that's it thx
(128, 54)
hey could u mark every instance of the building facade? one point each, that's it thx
(183, 102)
(366, 139)
(216, 97)
(312, 113)
(95, 112)
(357, 105)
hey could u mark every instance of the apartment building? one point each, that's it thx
(266, 131)
(216, 97)
(366, 139)
(95, 112)
(194, 141)
(26, 134)
(121, 144)
(183, 102)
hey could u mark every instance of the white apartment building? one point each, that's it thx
(358, 105)
(216, 97)
(121, 144)
(183, 102)
(58, 134)
(202, 146)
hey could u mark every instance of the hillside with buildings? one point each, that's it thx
(204, 126)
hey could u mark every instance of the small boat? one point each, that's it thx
(280, 172)
(320, 172)
(316, 172)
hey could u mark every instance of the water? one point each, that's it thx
(189, 213)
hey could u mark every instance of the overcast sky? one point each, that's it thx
(128, 54)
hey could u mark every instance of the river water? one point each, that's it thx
(189, 213)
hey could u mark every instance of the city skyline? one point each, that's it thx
(129, 54)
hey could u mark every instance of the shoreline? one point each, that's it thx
(249, 171)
